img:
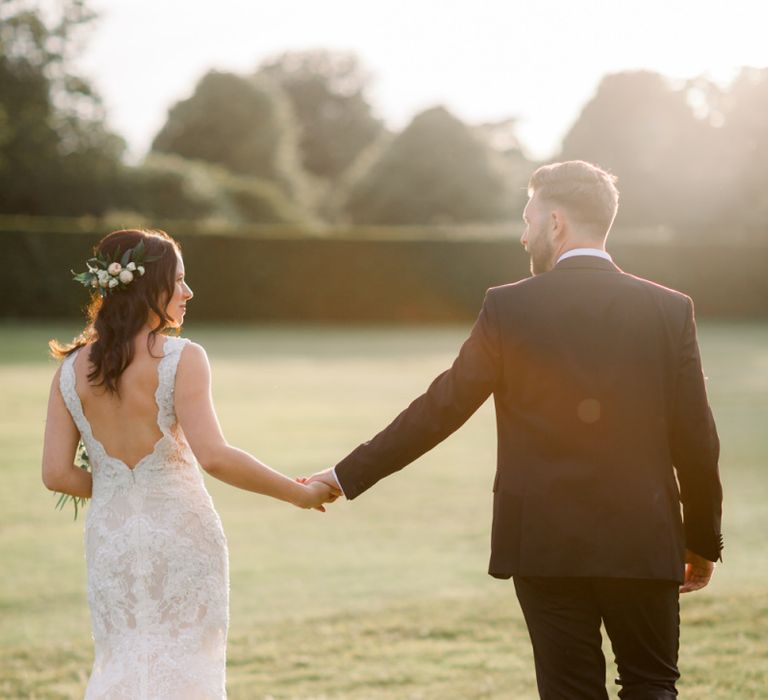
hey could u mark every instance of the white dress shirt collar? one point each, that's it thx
(585, 251)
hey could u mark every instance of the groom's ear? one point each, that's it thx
(558, 224)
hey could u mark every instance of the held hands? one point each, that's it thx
(326, 477)
(698, 572)
(319, 489)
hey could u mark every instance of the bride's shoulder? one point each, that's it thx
(193, 357)
(193, 373)
(69, 359)
(72, 356)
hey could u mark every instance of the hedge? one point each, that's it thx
(348, 279)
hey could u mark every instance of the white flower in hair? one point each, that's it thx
(107, 272)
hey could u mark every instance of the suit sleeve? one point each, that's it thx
(696, 450)
(445, 406)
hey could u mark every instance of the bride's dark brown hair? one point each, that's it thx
(114, 321)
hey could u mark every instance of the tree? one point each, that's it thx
(743, 138)
(327, 93)
(644, 130)
(507, 158)
(56, 154)
(168, 186)
(435, 171)
(242, 124)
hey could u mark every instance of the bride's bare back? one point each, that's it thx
(127, 425)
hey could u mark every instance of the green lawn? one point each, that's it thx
(385, 597)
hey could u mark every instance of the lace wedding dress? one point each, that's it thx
(157, 562)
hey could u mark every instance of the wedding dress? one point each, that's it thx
(157, 562)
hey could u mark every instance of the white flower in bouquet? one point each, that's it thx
(126, 276)
(140, 268)
(114, 269)
(103, 281)
(113, 282)
(131, 266)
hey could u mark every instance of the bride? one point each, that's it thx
(140, 400)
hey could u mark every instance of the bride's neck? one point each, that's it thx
(140, 339)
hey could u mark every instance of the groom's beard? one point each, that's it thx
(542, 255)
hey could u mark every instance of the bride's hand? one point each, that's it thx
(316, 494)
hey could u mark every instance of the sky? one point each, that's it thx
(485, 60)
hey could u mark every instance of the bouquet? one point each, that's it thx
(82, 461)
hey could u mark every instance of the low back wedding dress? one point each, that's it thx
(157, 561)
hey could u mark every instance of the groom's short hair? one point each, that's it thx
(586, 191)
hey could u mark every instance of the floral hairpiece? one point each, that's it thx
(108, 273)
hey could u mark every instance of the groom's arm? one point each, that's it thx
(695, 449)
(446, 405)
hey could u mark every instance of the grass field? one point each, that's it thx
(387, 596)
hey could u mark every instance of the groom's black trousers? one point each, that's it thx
(641, 617)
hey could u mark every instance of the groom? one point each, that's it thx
(603, 430)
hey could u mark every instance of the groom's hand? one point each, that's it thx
(331, 489)
(329, 479)
(698, 572)
(318, 494)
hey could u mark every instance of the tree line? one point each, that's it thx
(297, 141)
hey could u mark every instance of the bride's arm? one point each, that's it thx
(197, 417)
(61, 437)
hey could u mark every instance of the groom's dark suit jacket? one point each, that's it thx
(601, 413)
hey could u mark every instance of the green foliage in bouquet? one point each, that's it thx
(82, 461)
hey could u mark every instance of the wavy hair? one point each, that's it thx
(115, 320)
